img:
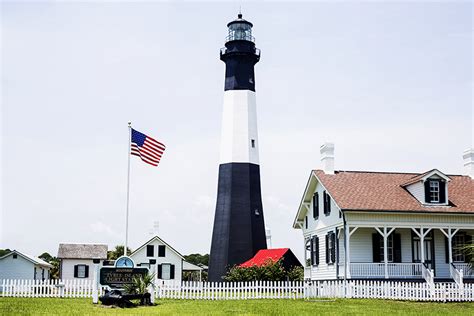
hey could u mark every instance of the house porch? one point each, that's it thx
(396, 253)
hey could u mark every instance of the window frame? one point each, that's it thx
(434, 191)
(458, 254)
(163, 271)
(148, 248)
(79, 266)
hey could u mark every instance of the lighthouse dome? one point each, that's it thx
(240, 30)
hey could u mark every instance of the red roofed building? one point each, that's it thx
(387, 225)
(286, 257)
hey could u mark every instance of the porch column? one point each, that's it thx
(347, 234)
(449, 234)
(385, 235)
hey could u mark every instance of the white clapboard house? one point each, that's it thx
(76, 260)
(168, 262)
(16, 265)
(387, 225)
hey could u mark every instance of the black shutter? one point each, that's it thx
(427, 191)
(327, 248)
(317, 249)
(306, 222)
(446, 248)
(159, 271)
(397, 248)
(316, 205)
(329, 203)
(75, 271)
(468, 254)
(333, 249)
(376, 247)
(161, 251)
(86, 275)
(311, 243)
(172, 272)
(150, 249)
(325, 202)
(442, 192)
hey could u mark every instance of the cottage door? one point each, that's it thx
(428, 245)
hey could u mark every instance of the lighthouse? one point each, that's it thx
(239, 227)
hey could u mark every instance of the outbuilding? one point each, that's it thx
(77, 260)
(20, 266)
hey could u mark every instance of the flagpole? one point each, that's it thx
(128, 186)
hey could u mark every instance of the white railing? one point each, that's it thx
(456, 274)
(48, 288)
(465, 268)
(377, 270)
(419, 291)
(428, 275)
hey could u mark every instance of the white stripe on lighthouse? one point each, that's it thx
(239, 138)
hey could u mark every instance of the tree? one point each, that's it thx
(54, 273)
(4, 252)
(117, 252)
(197, 259)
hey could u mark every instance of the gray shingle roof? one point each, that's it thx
(82, 251)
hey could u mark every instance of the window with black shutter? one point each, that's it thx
(394, 248)
(330, 248)
(81, 271)
(161, 251)
(150, 251)
(327, 203)
(435, 191)
(316, 205)
(314, 250)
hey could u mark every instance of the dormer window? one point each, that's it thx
(435, 191)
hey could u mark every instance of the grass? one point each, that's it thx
(68, 306)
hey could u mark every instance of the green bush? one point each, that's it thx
(270, 271)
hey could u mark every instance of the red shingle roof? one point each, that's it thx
(384, 191)
(263, 256)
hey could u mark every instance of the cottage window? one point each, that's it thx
(390, 248)
(327, 203)
(161, 251)
(434, 191)
(307, 254)
(315, 251)
(81, 271)
(459, 241)
(331, 248)
(316, 205)
(150, 250)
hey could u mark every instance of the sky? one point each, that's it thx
(390, 83)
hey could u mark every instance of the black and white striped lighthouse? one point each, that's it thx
(239, 229)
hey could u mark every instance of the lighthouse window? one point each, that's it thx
(257, 213)
(253, 143)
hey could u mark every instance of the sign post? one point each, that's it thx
(95, 285)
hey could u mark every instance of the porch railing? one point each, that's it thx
(465, 268)
(456, 274)
(377, 270)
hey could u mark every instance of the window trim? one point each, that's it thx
(78, 271)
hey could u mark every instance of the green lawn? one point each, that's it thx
(58, 306)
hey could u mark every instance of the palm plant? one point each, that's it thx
(140, 285)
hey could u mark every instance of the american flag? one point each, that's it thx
(148, 149)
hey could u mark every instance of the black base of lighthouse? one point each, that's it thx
(239, 229)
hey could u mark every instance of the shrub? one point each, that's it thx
(270, 271)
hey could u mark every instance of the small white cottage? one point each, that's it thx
(387, 225)
(168, 261)
(17, 265)
(76, 260)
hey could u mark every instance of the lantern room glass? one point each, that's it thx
(240, 31)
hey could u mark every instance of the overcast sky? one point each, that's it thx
(389, 83)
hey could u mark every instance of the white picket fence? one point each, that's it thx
(417, 291)
(48, 288)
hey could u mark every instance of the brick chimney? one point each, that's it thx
(468, 157)
(327, 157)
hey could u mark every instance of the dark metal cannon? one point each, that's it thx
(115, 297)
